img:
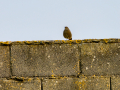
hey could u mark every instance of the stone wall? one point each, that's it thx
(90, 64)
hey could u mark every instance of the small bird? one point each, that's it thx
(67, 33)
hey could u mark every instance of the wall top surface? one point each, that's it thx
(111, 40)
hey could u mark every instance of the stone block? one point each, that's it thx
(100, 58)
(82, 83)
(4, 61)
(45, 60)
(115, 82)
(30, 84)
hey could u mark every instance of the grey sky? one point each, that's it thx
(45, 19)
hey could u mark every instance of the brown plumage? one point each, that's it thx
(67, 33)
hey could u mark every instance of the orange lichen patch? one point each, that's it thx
(28, 42)
(53, 75)
(43, 42)
(35, 41)
(81, 84)
(32, 42)
(5, 43)
(65, 77)
(61, 77)
(24, 41)
(18, 41)
(1, 42)
(86, 40)
(29, 79)
(63, 41)
(56, 40)
(105, 40)
(93, 76)
(108, 85)
(39, 41)
(78, 41)
(69, 41)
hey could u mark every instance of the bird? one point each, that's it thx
(67, 33)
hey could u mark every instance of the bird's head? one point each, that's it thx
(66, 27)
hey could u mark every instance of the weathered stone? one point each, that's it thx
(4, 61)
(82, 83)
(29, 84)
(115, 83)
(100, 58)
(45, 60)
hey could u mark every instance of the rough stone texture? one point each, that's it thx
(115, 83)
(83, 83)
(45, 60)
(30, 84)
(56, 64)
(98, 83)
(100, 58)
(4, 61)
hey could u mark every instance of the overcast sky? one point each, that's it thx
(22, 20)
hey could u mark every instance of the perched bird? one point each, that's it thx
(67, 33)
